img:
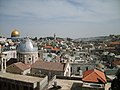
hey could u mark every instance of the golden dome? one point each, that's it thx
(15, 33)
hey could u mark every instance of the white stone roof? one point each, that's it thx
(23, 78)
(26, 45)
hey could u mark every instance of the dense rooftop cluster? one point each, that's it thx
(97, 57)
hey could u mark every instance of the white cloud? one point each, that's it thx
(61, 16)
(75, 10)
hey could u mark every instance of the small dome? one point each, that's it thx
(26, 45)
(15, 33)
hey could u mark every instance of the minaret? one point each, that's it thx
(54, 37)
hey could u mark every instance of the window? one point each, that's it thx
(14, 55)
(5, 84)
(13, 86)
(31, 88)
(9, 86)
(0, 85)
(78, 68)
(25, 88)
(71, 69)
(3, 65)
(17, 87)
(86, 68)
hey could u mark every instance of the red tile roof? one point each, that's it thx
(94, 76)
(17, 67)
(55, 49)
(54, 66)
(111, 48)
(115, 43)
(1, 46)
(48, 47)
(116, 62)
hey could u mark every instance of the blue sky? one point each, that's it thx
(66, 18)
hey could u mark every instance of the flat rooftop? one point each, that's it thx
(22, 78)
(72, 84)
(68, 84)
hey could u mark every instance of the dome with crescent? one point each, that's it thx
(15, 33)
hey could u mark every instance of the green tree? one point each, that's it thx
(115, 85)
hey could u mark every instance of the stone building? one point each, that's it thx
(2, 62)
(10, 54)
(18, 68)
(27, 52)
(94, 80)
(50, 68)
(9, 81)
(79, 68)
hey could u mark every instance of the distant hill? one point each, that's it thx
(93, 38)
